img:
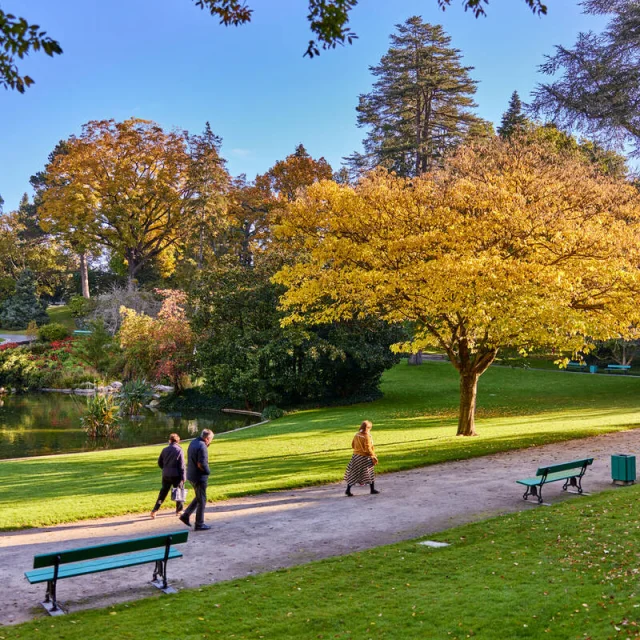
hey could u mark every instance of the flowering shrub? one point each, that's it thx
(42, 365)
(161, 347)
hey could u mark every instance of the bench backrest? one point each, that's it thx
(564, 466)
(110, 549)
(618, 366)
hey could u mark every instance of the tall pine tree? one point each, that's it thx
(420, 105)
(595, 87)
(513, 119)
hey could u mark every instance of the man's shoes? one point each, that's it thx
(184, 519)
(153, 514)
(201, 527)
(179, 513)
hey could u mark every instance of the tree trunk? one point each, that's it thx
(468, 393)
(84, 276)
(132, 266)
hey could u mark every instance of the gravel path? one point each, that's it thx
(270, 531)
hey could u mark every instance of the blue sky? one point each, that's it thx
(168, 61)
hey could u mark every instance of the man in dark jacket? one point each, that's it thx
(198, 476)
(174, 472)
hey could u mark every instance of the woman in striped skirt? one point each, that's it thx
(360, 468)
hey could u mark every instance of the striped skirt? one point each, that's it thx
(359, 470)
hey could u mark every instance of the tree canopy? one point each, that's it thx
(125, 187)
(17, 39)
(514, 119)
(510, 244)
(421, 103)
(596, 85)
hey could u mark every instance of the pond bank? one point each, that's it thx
(50, 423)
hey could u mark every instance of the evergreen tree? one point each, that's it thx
(24, 306)
(420, 105)
(513, 119)
(209, 182)
(596, 88)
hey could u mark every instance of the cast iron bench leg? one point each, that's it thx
(532, 490)
(50, 595)
(161, 565)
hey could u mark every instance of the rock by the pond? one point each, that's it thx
(84, 392)
(163, 388)
(116, 385)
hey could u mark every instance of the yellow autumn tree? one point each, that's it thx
(510, 244)
(124, 187)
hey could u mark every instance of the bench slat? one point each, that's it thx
(97, 566)
(564, 466)
(109, 549)
(552, 477)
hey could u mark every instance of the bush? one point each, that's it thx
(107, 306)
(192, 400)
(80, 306)
(272, 412)
(102, 419)
(19, 371)
(97, 349)
(134, 395)
(77, 377)
(52, 332)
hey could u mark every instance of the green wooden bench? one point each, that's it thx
(570, 472)
(618, 367)
(51, 567)
(579, 366)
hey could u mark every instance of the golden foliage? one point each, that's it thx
(122, 186)
(510, 244)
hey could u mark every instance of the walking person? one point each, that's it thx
(198, 476)
(360, 469)
(174, 472)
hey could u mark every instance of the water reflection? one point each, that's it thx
(39, 424)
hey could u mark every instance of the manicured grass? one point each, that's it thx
(568, 571)
(62, 314)
(414, 425)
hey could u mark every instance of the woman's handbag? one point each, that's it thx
(179, 494)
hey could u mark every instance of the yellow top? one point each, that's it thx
(363, 445)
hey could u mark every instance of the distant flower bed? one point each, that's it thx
(43, 364)
(9, 345)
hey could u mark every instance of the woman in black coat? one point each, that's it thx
(174, 472)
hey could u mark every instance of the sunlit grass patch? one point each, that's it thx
(414, 425)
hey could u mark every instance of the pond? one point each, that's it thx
(44, 423)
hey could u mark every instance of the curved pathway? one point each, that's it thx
(281, 529)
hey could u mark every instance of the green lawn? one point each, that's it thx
(414, 425)
(62, 314)
(567, 571)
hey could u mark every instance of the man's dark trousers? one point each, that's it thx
(199, 502)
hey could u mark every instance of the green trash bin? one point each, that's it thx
(623, 468)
